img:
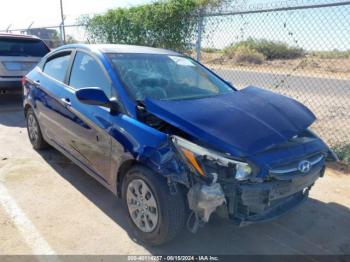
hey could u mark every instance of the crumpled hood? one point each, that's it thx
(241, 123)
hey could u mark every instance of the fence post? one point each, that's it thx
(62, 23)
(61, 34)
(199, 35)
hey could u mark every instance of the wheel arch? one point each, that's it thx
(128, 164)
(26, 108)
(122, 171)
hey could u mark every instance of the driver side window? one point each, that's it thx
(86, 72)
(193, 77)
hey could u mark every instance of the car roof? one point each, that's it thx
(17, 36)
(125, 49)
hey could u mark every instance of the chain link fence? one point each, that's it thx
(53, 35)
(297, 48)
(300, 50)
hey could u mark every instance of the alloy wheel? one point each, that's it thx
(33, 128)
(142, 205)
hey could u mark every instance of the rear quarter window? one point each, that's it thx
(23, 47)
(56, 67)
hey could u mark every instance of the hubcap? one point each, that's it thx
(142, 205)
(33, 128)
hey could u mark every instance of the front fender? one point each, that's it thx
(134, 140)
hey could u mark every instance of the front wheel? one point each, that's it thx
(155, 215)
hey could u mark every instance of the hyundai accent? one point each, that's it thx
(171, 138)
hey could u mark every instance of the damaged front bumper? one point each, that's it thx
(251, 203)
(246, 203)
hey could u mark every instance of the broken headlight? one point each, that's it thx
(210, 164)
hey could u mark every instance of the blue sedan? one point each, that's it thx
(171, 138)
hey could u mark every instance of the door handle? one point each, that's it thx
(66, 101)
(37, 82)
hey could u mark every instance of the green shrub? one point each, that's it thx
(210, 50)
(230, 51)
(343, 152)
(244, 54)
(167, 24)
(270, 49)
(334, 54)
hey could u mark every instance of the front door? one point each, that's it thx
(89, 140)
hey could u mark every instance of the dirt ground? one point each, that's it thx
(50, 206)
(338, 68)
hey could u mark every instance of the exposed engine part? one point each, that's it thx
(157, 123)
(203, 200)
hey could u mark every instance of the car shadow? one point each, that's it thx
(313, 228)
(11, 110)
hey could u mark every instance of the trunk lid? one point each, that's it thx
(17, 66)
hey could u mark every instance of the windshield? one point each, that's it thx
(166, 77)
(22, 47)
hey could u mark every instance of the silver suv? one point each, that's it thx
(18, 55)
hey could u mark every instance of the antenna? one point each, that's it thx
(30, 26)
(8, 28)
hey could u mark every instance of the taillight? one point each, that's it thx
(24, 88)
(23, 80)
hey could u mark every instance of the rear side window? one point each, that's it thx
(22, 47)
(57, 67)
(86, 72)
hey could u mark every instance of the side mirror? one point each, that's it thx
(92, 96)
(115, 106)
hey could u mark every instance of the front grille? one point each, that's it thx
(257, 209)
(293, 168)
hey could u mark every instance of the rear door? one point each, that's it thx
(52, 110)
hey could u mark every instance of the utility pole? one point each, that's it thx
(63, 30)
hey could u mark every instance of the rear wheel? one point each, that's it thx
(34, 132)
(155, 215)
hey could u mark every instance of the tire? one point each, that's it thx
(170, 208)
(34, 131)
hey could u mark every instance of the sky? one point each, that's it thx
(21, 13)
(313, 29)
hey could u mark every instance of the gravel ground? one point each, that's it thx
(50, 206)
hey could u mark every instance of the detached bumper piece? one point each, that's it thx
(252, 203)
(204, 199)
